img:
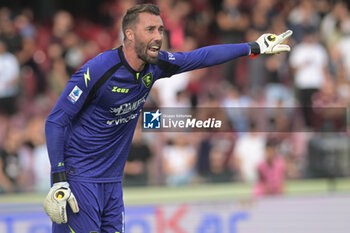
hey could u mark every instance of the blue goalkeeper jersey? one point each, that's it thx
(90, 129)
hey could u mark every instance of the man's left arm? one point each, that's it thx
(174, 63)
(209, 56)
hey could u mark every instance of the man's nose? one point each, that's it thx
(158, 36)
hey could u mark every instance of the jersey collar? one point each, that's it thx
(126, 64)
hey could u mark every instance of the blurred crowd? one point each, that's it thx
(37, 58)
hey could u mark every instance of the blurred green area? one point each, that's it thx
(204, 192)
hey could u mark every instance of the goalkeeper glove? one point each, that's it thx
(270, 44)
(56, 201)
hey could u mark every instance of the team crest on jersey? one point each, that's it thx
(147, 79)
(75, 94)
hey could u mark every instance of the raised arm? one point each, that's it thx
(174, 63)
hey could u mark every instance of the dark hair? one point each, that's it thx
(272, 142)
(132, 15)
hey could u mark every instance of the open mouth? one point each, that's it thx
(154, 50)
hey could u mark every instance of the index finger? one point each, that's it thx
(285, 35)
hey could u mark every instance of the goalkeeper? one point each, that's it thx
(89, 131)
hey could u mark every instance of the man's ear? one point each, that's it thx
(129, 33)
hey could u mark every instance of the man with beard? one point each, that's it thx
(90, 129)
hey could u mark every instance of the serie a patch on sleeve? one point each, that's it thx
(75, 94)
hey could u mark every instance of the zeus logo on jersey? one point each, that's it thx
(75, 94)
(121, 90)
(152, 120)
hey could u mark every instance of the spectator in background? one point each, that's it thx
(41, 163)
(334, 24)
(24, 25)
(58, 77)
(9, 161)
(343, 89)
(218, 169)
(73, 52)
(116, 12)
(271, 172)
(303, 17)
(175, 23)
(328, 108)
(200, 21)
(236, 103)
(182, 100)
(195, 85)
(341, 58)
(31, 59)
(248, 153)
(178, 159)
(232, 23)
(309, 61)
(9, 80)
(33, 158)
(203, 150)
(276, 90)
(8, 32)
(63, 23)
(136, 168)
(213, 149)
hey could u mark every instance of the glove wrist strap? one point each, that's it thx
(59, 177)
(254, 48)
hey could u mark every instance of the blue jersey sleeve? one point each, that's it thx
(54, 130)
(70, 104)
(174, 63)
(81, 83)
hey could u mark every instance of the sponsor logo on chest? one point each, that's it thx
(120, 90)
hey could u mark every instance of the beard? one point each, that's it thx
(141, 49)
